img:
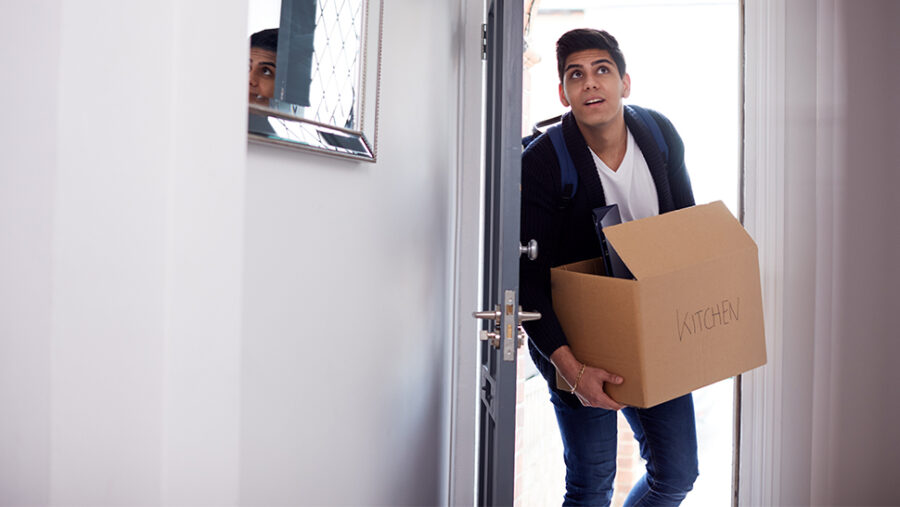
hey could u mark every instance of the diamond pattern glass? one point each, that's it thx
(335, 66)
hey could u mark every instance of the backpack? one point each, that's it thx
(569, 176)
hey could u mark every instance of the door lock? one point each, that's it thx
(493, 337)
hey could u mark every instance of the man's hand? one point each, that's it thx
(590, 386)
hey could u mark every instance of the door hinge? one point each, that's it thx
(484, 41)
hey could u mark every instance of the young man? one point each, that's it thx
(619, 161)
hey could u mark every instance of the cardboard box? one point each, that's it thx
(692, 316)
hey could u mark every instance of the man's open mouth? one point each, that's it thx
(594, 101)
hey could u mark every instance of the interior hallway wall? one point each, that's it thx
(839, 405)
(186, 321)
(27, 172)
(864, 454)
(347, 294)
(121, 212)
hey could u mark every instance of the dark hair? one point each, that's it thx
(265, 39)
(587, 38)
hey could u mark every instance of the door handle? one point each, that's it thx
(494, 336)
(531, 249)
(526, 316)
(494, 315)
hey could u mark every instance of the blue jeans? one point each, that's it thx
(668, 441)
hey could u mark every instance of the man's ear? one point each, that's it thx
(562, 96)
(626, 81)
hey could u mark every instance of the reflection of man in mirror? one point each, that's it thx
(263, 49)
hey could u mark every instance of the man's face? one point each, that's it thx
(262, 75)
(592, 87)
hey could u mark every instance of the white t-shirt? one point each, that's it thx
(631, 186)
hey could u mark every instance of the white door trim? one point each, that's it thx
(764, 183)
(466, 282)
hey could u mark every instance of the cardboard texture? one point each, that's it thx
(693, 315)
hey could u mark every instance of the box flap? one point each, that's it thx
(672, 241)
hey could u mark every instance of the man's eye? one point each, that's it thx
(602, 70)
(576, 74)
(267, 71)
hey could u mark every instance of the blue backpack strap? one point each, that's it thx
(568, 175)
(651, 124)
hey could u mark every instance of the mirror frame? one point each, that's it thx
(367, 99)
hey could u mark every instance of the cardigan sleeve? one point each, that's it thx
(541, 220)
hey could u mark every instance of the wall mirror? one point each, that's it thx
(314, 75)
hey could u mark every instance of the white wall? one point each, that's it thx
(865, 451)
(122, 209)
(29, 139)
(347, 294)
(847, 223)
(829, 437)
(186, 320)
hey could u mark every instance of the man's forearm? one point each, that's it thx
(566, 363)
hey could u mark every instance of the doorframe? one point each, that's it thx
(763, 210)
(467, 260)
(763, 205)
(763, 216)
(795, 83)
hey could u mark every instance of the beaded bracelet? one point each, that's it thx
(577, 379)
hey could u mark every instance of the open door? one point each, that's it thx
(501, 338)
